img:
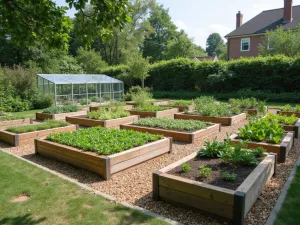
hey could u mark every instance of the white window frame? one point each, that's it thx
(268, 46)
(245, 39)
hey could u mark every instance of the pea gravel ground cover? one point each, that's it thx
(26, 190)
(135, 184)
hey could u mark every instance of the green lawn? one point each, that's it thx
(53, 200)
(290, 212)
(27, 114)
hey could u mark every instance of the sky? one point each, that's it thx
(200, 18)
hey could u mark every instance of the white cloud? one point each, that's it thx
(181, 25)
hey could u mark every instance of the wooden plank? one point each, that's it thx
(139, 159)
(214, 129)
(72, 161)
(289, 113)
(135, 152)
(184, 108)
(169, 113)
(294, 128)
(173, 196)
(256, 181)
(238, 118)
(7, 137)
(88, 157)
(226, 121)
(213, 193)
(142, 114)
(96, 108)
(84, 121)
(62, 116)
(163, 103)
(115, 123)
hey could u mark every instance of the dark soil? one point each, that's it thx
(217, 168)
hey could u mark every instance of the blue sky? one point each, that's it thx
(200, 18)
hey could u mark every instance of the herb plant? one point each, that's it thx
(171, 124)
(142, 98)
(151, 108)
(181, 103)
(212, 149)
(288, 120)
(108, 114)
(102, 140)
(204, 171)
(227, 176)
(290, 108)
(48, 124)
(185, 168)
(61, 109)
(213, 109)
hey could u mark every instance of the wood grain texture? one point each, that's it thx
(189, 137)
(293, 128)
(288, 113)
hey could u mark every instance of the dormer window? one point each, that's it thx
(245, 44)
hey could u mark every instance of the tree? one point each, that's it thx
(182, 46)
(280, 41)
(164, 30)
(214, 45)
(139, 68)
(26, 22)
(91, 61)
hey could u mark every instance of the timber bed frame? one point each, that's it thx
(184, 136)
(113, 123)
(225, 121)
(281, 149)
(59, 116)
(25, 138)
(225, 203)
(169, 113)
(19, 122)
(96, 108)
(105, 166)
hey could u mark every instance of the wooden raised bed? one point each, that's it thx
(254, 112)
(184, 108)
(105, 166)
(96, 108)
(226, 121)
(229, 204)
(281, 149)
(87, 122)
(12, 123)
(26, 138)
(60, 116)
(184, 136)
(294, 128)
(163, 103)
(169, 113)
(289, 113)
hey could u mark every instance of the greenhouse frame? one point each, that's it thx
(81, 88)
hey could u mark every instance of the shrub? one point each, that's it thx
(142, 98)
(95, 99)
(104, 141)
(61, 109)
(185, 168)
(48, 124)
(84, 101)
(42, 101)
(171, 124)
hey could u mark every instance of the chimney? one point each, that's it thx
(239, 19)
(288, 11)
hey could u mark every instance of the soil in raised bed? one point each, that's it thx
(217, 168)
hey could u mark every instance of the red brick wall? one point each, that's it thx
(234, 47)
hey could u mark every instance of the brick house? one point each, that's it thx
(244, 41)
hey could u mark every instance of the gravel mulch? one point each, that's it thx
(134, 185)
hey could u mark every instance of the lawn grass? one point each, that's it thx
(289, 213)
(55, 201)
(27, 114)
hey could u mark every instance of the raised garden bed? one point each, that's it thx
(282, 149)
(163, 102)
(102, 161)
(294, 127)
(169, 113)
(96, 108)
(177, 134)
(182, 105)
(289, 113)
(26, 138)
(226, 121)
(254, 112)
(232, 204)
(60, 116)
(112, 123)
(18, 122)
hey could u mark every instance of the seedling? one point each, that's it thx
(185, 168)
(205, 171)
(227, 176)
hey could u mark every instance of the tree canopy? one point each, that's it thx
(214, 45)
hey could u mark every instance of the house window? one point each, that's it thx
(245, 44)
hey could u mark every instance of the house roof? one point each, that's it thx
(204, 58)
(267, 20)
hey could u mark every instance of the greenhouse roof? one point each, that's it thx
(78, 78)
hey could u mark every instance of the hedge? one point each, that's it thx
(273, 73)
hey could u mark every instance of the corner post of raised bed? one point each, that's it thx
(239, 208)
(171, 144)
(155, 185)
(30, 121)
(230, 122)
(17, 140)
(35, 146)
(107, 172)
(275, 163)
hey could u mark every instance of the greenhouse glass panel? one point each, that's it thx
(81, 89)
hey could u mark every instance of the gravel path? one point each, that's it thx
(134, 185)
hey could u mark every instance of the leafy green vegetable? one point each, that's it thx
(204, 171)
(289, 120)
(185, 168)
(48, 124)
(248, 103)
(108, 113)
(151, 108)
(227, 176)
(104, 141)
(212, 149)
(61, 109)
(213, 109)
(288, 107)
(171, 124)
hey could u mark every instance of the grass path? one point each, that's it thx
(53, 200)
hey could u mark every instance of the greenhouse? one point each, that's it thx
(81, 89)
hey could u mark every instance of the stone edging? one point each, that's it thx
(106, 196)
(272, 218)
